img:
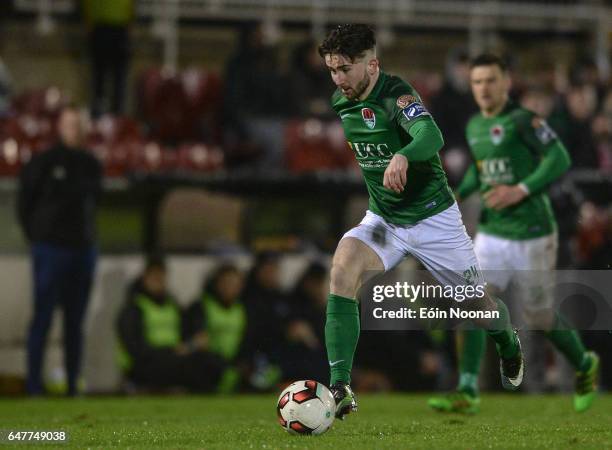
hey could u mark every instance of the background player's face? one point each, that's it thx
(490, 86)
(351, 77)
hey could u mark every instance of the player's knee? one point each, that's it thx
(343, 280)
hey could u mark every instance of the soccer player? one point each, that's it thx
(517, 157)
(411, 208)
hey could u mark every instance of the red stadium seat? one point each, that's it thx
(114, 129)
(13, 155)
(200, 158)
(182, 107)
(312, 145)
(40, 102)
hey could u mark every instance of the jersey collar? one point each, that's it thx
(377, 87)
(510, 104)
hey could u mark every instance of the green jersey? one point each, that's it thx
(379, 127)
(515, 147)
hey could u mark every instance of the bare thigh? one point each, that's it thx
(352, 262)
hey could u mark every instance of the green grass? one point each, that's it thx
(384, 421)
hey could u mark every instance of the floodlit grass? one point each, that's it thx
(384, 421)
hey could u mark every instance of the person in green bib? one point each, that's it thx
(152, 352)
(411, 210)
(516, 157)
(217, 321)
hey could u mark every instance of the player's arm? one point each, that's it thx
(469, 184)
(426, 141)
(554, 162)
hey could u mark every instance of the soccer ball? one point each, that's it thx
(306, 407)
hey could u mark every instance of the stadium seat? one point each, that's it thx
(41, 102)
(181, 107)
(312, 145)
(199, 158)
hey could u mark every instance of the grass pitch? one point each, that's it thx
(395, 421)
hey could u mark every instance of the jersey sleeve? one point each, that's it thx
(535, 132)
(408, 108)
(469, 183)
(554, 159)
(408, 112)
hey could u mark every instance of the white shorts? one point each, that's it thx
(440, 242)
(529, 264)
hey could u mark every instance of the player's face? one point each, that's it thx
(490, 86)
(351, 77)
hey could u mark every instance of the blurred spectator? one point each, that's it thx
(305, 355)
(538, 100)
(405, 360)
(573, 124)
(217, 320)
(6, 86)
(255, 100)
(451, 108)
(56, 206)
(310, 84)
(109, 40)
(602, 134)
(267, 315)
(152, 352)
(585, 71)
(593, 241)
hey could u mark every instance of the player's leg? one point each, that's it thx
(536, 291)
(471, 343)
(364, 250)
(443, 246)
(471, 346)
(351, 259)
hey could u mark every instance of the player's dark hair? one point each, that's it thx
(489, 59)
(350, 40)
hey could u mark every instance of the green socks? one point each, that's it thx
(341, 335)
(502, 333)
(471, 353)
(568, 342)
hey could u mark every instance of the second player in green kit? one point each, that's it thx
(516, 157)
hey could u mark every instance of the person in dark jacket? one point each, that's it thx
(109, 24)
(152, 351)
(304, 355)
(58, 194)
(267, 313)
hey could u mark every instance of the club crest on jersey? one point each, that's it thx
(497, 134)
(368, 117)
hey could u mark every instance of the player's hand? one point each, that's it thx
(395, 173)
(503, 195)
